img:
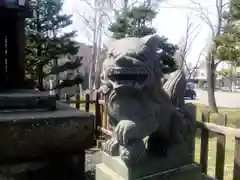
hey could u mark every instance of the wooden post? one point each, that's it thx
(221, 142)
(77, 97)
(192, 109)
(204, 142)
(97, 116)
(236, 170)
(104, 116)
(87, 102)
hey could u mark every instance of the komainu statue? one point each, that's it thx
(145, 115)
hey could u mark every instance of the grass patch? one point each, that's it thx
(229, 156)
(233, 115)
(82, 105)
(233, 119)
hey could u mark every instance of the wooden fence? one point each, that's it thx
(219, 129)
(95, 106)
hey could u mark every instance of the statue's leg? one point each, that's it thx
(127, 139)
(131, 150)
(158, 144)
(111, 146)
(130, 135)
(180, 130)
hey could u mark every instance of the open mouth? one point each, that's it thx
(124, 76)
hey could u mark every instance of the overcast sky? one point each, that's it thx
(170, 21)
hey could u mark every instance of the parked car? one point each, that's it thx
(190, 85)
(190, 93)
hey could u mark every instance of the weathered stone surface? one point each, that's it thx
(32, 127)
(26, 99)
(154, 168)
(151, 165)
(63, 168)
(139, 105)
(32, 135)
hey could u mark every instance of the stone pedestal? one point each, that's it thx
(154, 168)
(44, 141)
(40, 138)
(26, 99)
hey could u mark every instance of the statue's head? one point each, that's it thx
(133, 63)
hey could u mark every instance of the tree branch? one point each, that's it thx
(204, 16)
(217, 63)
(188, 41)
(196, 65)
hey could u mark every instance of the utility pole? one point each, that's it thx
(97, 42)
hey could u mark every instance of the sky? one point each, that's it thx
(171, 22)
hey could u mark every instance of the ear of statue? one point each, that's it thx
(152, 41)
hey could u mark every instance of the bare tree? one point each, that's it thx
(95, 22)
(186, 43)
(215, 29)
(101, 13)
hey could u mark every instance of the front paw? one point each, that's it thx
(111, 147)
(133, 153)
(157, 147)
(126, 131)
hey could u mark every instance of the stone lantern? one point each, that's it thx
(34, 126)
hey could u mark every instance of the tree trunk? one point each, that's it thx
(39, 51)
(211, 84)
(230, 84)
(55, 64)
(58, 90)
(125, 8)
(233, 84)
(40, 76)
(97, 69)
(94, 50)
(211, 67)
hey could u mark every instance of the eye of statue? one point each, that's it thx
(130, 75)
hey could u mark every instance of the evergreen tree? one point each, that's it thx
(134, 22)
(137, 22)
(44, 43)
(73, 76)
(228, 43)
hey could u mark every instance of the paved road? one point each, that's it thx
(223, 99)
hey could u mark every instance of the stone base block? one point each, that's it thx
(113, 168)
(32, 136)
(205, 177)
(26, 99)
